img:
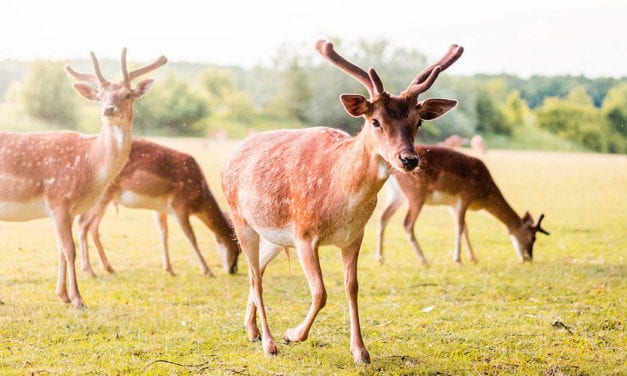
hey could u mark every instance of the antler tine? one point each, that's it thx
(94, 62)
(127, 79)
(416, 86)
(78, 75)
(539, 227)
(376, 81)
(147, 68)
(326, 50)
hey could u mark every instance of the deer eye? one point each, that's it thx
(375, 123)
(127, 96)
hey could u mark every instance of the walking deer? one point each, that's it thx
(62, 174)
(166, 181)
(313, 187)
(448, 177)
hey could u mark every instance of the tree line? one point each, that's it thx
(298, 89)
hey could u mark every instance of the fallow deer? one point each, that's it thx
(62, 174)
(448, 177)
(166, 181)
(313, 187)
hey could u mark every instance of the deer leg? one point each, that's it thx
(459, 214)
(161, 220)
(267, 251)
(63, 226)
(409, 223)
(351, 286)
(395, 200)
(84, 221)
(249, 241)
(308, 255)
(94, 230)
(471, 254)
(182, 215)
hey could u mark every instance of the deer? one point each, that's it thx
(165, 181)
(62, 174)
(318, 186)
(449, 177)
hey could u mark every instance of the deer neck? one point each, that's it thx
(500, 208)
(360, 171)
(112, 147)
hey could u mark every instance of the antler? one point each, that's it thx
(423, 81)
(96, 78)
(538, 226)
(370, 80)
(125, 75)
(161, 60)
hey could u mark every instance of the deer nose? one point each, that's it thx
(108, 110)
(409, 162)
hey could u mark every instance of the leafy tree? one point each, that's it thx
(515, 110)
(614, 112)
(489, 117)
(293, 100)
(47, 94)
(217, 83)
(574, 118)
(171, 108)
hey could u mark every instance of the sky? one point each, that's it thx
(547, 37)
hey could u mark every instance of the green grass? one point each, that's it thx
(565, 314)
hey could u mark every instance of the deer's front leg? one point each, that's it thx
(349, 258)
(67, 257)
(308, 256)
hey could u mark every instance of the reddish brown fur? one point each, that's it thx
(318, 186)
(469, 185)
(173, 183)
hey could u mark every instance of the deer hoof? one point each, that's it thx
(292, 335)
(361, 356)
(269, 348)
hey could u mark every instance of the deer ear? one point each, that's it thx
(356, 105)
(527, 217)
(86, 91)
(433, 108)
(143, 87)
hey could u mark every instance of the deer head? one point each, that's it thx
(115, 99)
(393, 120)
(524, 238)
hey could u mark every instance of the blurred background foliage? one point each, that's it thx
(299, 89)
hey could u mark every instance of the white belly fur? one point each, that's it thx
(22, 211)
(441, 198)
(132, 200)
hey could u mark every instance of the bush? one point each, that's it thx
(47, 95)
(172, 108)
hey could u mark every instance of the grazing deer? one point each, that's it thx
(448, 177)
(165, 181)
(63, 174)
(313, 187)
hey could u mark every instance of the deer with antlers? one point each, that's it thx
(448, 177)
(313, 187)
(166, 181)
(62, 174)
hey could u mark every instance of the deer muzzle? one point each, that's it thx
(409, 161)
(109, 111)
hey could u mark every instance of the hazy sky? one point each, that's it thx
(520, 37)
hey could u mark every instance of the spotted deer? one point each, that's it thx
(168, 182)
(62, 174)
(448, 177)
(318, 186)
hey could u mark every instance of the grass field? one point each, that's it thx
(564, 314)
